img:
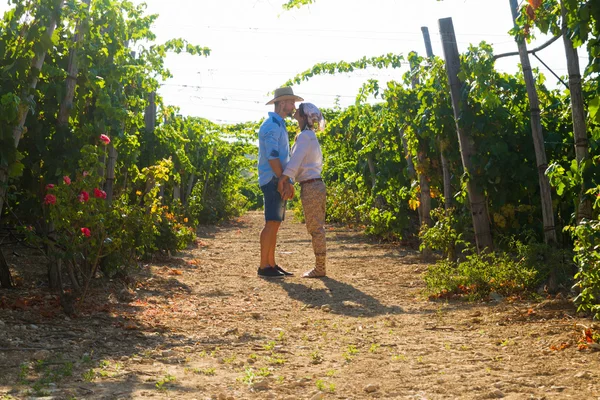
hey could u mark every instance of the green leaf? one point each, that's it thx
(16, 169)
(594, 107)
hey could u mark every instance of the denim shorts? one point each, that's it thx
(274, 205)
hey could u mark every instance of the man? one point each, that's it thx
(273, 156)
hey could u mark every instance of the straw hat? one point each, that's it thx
(285, 93)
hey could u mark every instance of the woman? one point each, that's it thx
(305, 166)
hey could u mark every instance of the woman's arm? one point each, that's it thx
(300, 151)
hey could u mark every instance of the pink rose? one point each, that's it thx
(85, 173)
(67, 180)
(105, 139)
(83, 196)
(49, 186)
(101, 194)
(50, 199)
(86, 232)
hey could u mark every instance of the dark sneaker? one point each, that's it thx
(283, 271)
(269, 272)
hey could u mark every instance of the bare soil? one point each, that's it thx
(201, 325)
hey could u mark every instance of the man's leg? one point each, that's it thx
(268, 242)
(274, 214)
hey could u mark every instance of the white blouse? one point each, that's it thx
(306, 161)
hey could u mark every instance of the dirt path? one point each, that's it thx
(203, 326)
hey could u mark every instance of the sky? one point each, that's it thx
(256, 47)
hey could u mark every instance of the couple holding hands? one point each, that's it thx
(278, 169)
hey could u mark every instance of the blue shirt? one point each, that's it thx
(273, 143)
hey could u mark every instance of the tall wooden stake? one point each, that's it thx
(477, 200)
(427, 39)
(425, 197)
(150, 113)
(538, 137)
(72, 71)
(445, 164)
(578, 113)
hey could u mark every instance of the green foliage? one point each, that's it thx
(445, 234)
(480, 275)
(296, 4)
(581, 17)
(587, 258)
(152, 208)
(386, 61)
(551, 263)
(162, 383)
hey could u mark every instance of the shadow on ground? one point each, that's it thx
(341, 298)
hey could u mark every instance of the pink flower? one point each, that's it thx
(49, 186)
(105, 139)
(85, 173)
(101, 194)
(50, 199)
(83, 196)
(67, 180)
(86, 232)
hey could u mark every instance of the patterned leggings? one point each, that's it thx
(313, 195)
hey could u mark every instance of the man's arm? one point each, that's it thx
(286, 187)
(276, 166)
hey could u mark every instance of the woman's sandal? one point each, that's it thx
(313, 273)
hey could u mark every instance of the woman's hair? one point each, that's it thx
(314, 118)
(303, 115)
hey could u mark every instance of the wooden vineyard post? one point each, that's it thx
(477, 200)
(584, 209)
(444, 160)
(538, 137)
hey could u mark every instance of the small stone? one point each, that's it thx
(256, 315)
(41, 355)
(326, 308)
(251, 360)
(594, 346)
(301, 382)
(558, 388)
(261, 385)
(583, 375)
(166, 353)
(496, 297)
(371, 388)
(496, 394)
(125, 296)
(34, 327)
(318, 396)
